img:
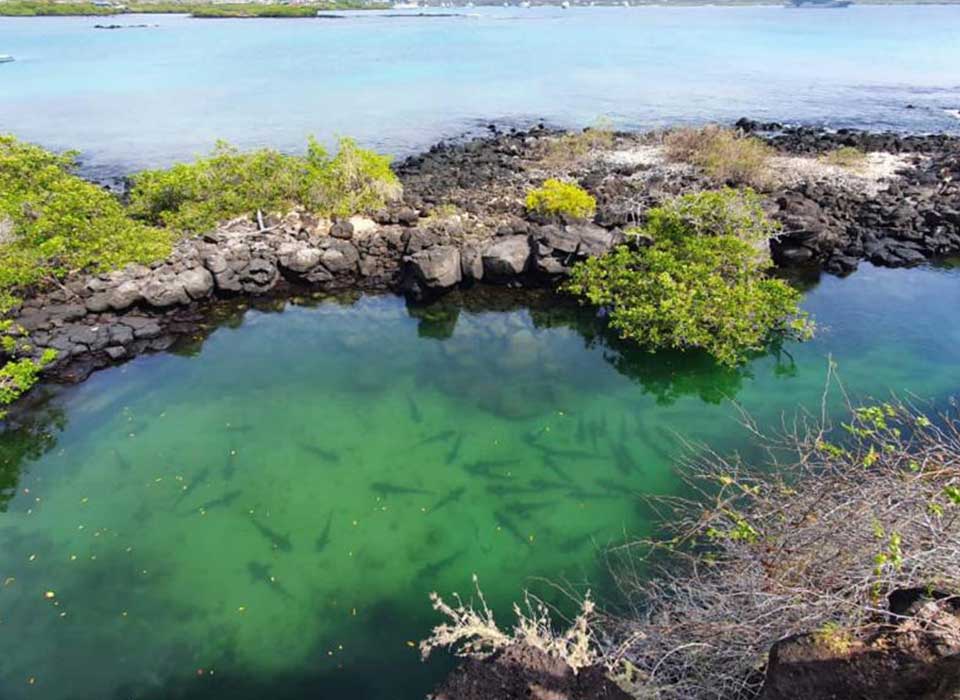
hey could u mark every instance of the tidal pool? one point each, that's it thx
(263, 513)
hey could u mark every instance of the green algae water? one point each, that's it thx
(262, 514)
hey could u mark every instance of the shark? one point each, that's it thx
(454, 496)
(415, 414)
(324, 539)
(221, 502)
(260, 573)
(279, 542)
(199, 479)
(455, 450)
(323, 455)
(384, 489)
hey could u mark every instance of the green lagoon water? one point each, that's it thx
(263, 514)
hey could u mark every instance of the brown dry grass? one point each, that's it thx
(565, 150)
(846, 157)
(724, 154)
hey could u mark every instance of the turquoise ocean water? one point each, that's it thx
(134, 98)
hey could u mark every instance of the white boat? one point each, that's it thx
(4, 58)
(406, 6)
(565, 5)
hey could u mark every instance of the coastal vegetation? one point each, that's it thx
(727, 156)
(696, 276)
(57, 223)
(52, 9)
(557, 199)
(813, 537)
(54, 223)
(193, 197)
(44, 8)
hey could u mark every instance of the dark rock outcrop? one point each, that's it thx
(506, 257)
(462, 220)
(523, 673)
(917, 658)
(433, 269)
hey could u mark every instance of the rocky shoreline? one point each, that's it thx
(462, 222)
(912, 653)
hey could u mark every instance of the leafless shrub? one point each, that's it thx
(813, 538)
(471, 630)
(726, 155)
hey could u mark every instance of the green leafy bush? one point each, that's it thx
(54, 222)
(725, 212)
(557, 198)
(194, 197)
(18, 376)
(700, 284)
(724, 154)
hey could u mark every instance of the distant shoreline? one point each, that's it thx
(12, 8)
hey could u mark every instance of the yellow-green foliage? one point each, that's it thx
(845, 157)
(833, 638)
(60, 223)
(557, 198)
(724, 154)
(194, 197)
(700, 284)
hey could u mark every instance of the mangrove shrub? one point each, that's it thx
(699, 284)
(53, 222)
(194, 197)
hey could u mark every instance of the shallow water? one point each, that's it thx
(264, 513)
(134, 98)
